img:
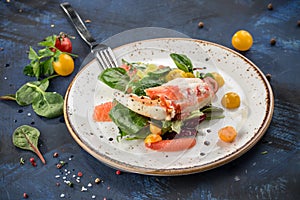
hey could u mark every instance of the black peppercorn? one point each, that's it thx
(270, 6)
(273, 41)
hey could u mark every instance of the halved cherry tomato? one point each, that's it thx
(179, 144)
(63, 43)
(64, 66)
(227, 134)
(242, 40)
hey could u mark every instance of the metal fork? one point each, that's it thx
(103, 53)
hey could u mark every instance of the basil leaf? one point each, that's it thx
(28, 71)
(129, 122)
(26, 137)
(48, 41)
(27, 94)
(32, 54)
(47, 67)
(45, 52)
(182, 62)
(36, 68)
(116, 78)
(50, 105)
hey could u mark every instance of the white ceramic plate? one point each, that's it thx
(251, 119)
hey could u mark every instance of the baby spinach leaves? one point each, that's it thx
(182, 62)
(26, 137)
(128, 121)
(46, 104)
(116, 78)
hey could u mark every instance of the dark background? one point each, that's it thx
(270, 170)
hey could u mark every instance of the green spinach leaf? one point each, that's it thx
(49, 105)
(116, 78)
(26, 137)
(182, 62)
(129, 122)
(27, 93)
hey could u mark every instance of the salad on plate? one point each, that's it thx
(161, 105)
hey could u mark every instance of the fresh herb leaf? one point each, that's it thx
(129, 122)
(46, 67)
(160, 73)
(28, 71)
(46, 52)
(138, 87)
(32, 55)
(28, 92)
(172, 126)
(116, 78)
(182, 62)
(26, 137)
(213, 112)
(48, 41)
(49, 105)
(35, 65)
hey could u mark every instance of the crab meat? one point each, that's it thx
(178, 96)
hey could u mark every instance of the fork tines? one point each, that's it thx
(106, 58)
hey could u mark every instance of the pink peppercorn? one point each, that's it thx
(25, 195)
(118, 172)
(79, 174)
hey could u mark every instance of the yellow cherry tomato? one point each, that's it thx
(175, 73)
(242, 40)
(218, 78)
(152, 138)
(64, 66)
(189, 75)
(227, 134)
(231, 100)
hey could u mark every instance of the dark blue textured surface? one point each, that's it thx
(274, 175)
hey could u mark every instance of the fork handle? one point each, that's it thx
(78, 24)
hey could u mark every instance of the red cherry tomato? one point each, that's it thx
(63, 43)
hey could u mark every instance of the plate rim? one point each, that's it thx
(179, 171)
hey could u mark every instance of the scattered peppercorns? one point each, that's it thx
(97, 180)
(55, 155)
(270, 6)
(273, 41)
(25, 195)
(118, 172)
(200, 24)
(298, 23)
(58, 165)
(32, 161)
(79, 174)
(268, 76)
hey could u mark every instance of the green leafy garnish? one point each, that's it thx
(182, 62)
(46, 104)
(129, 122)
(26, 137)
(116, 78)
(41, 62)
